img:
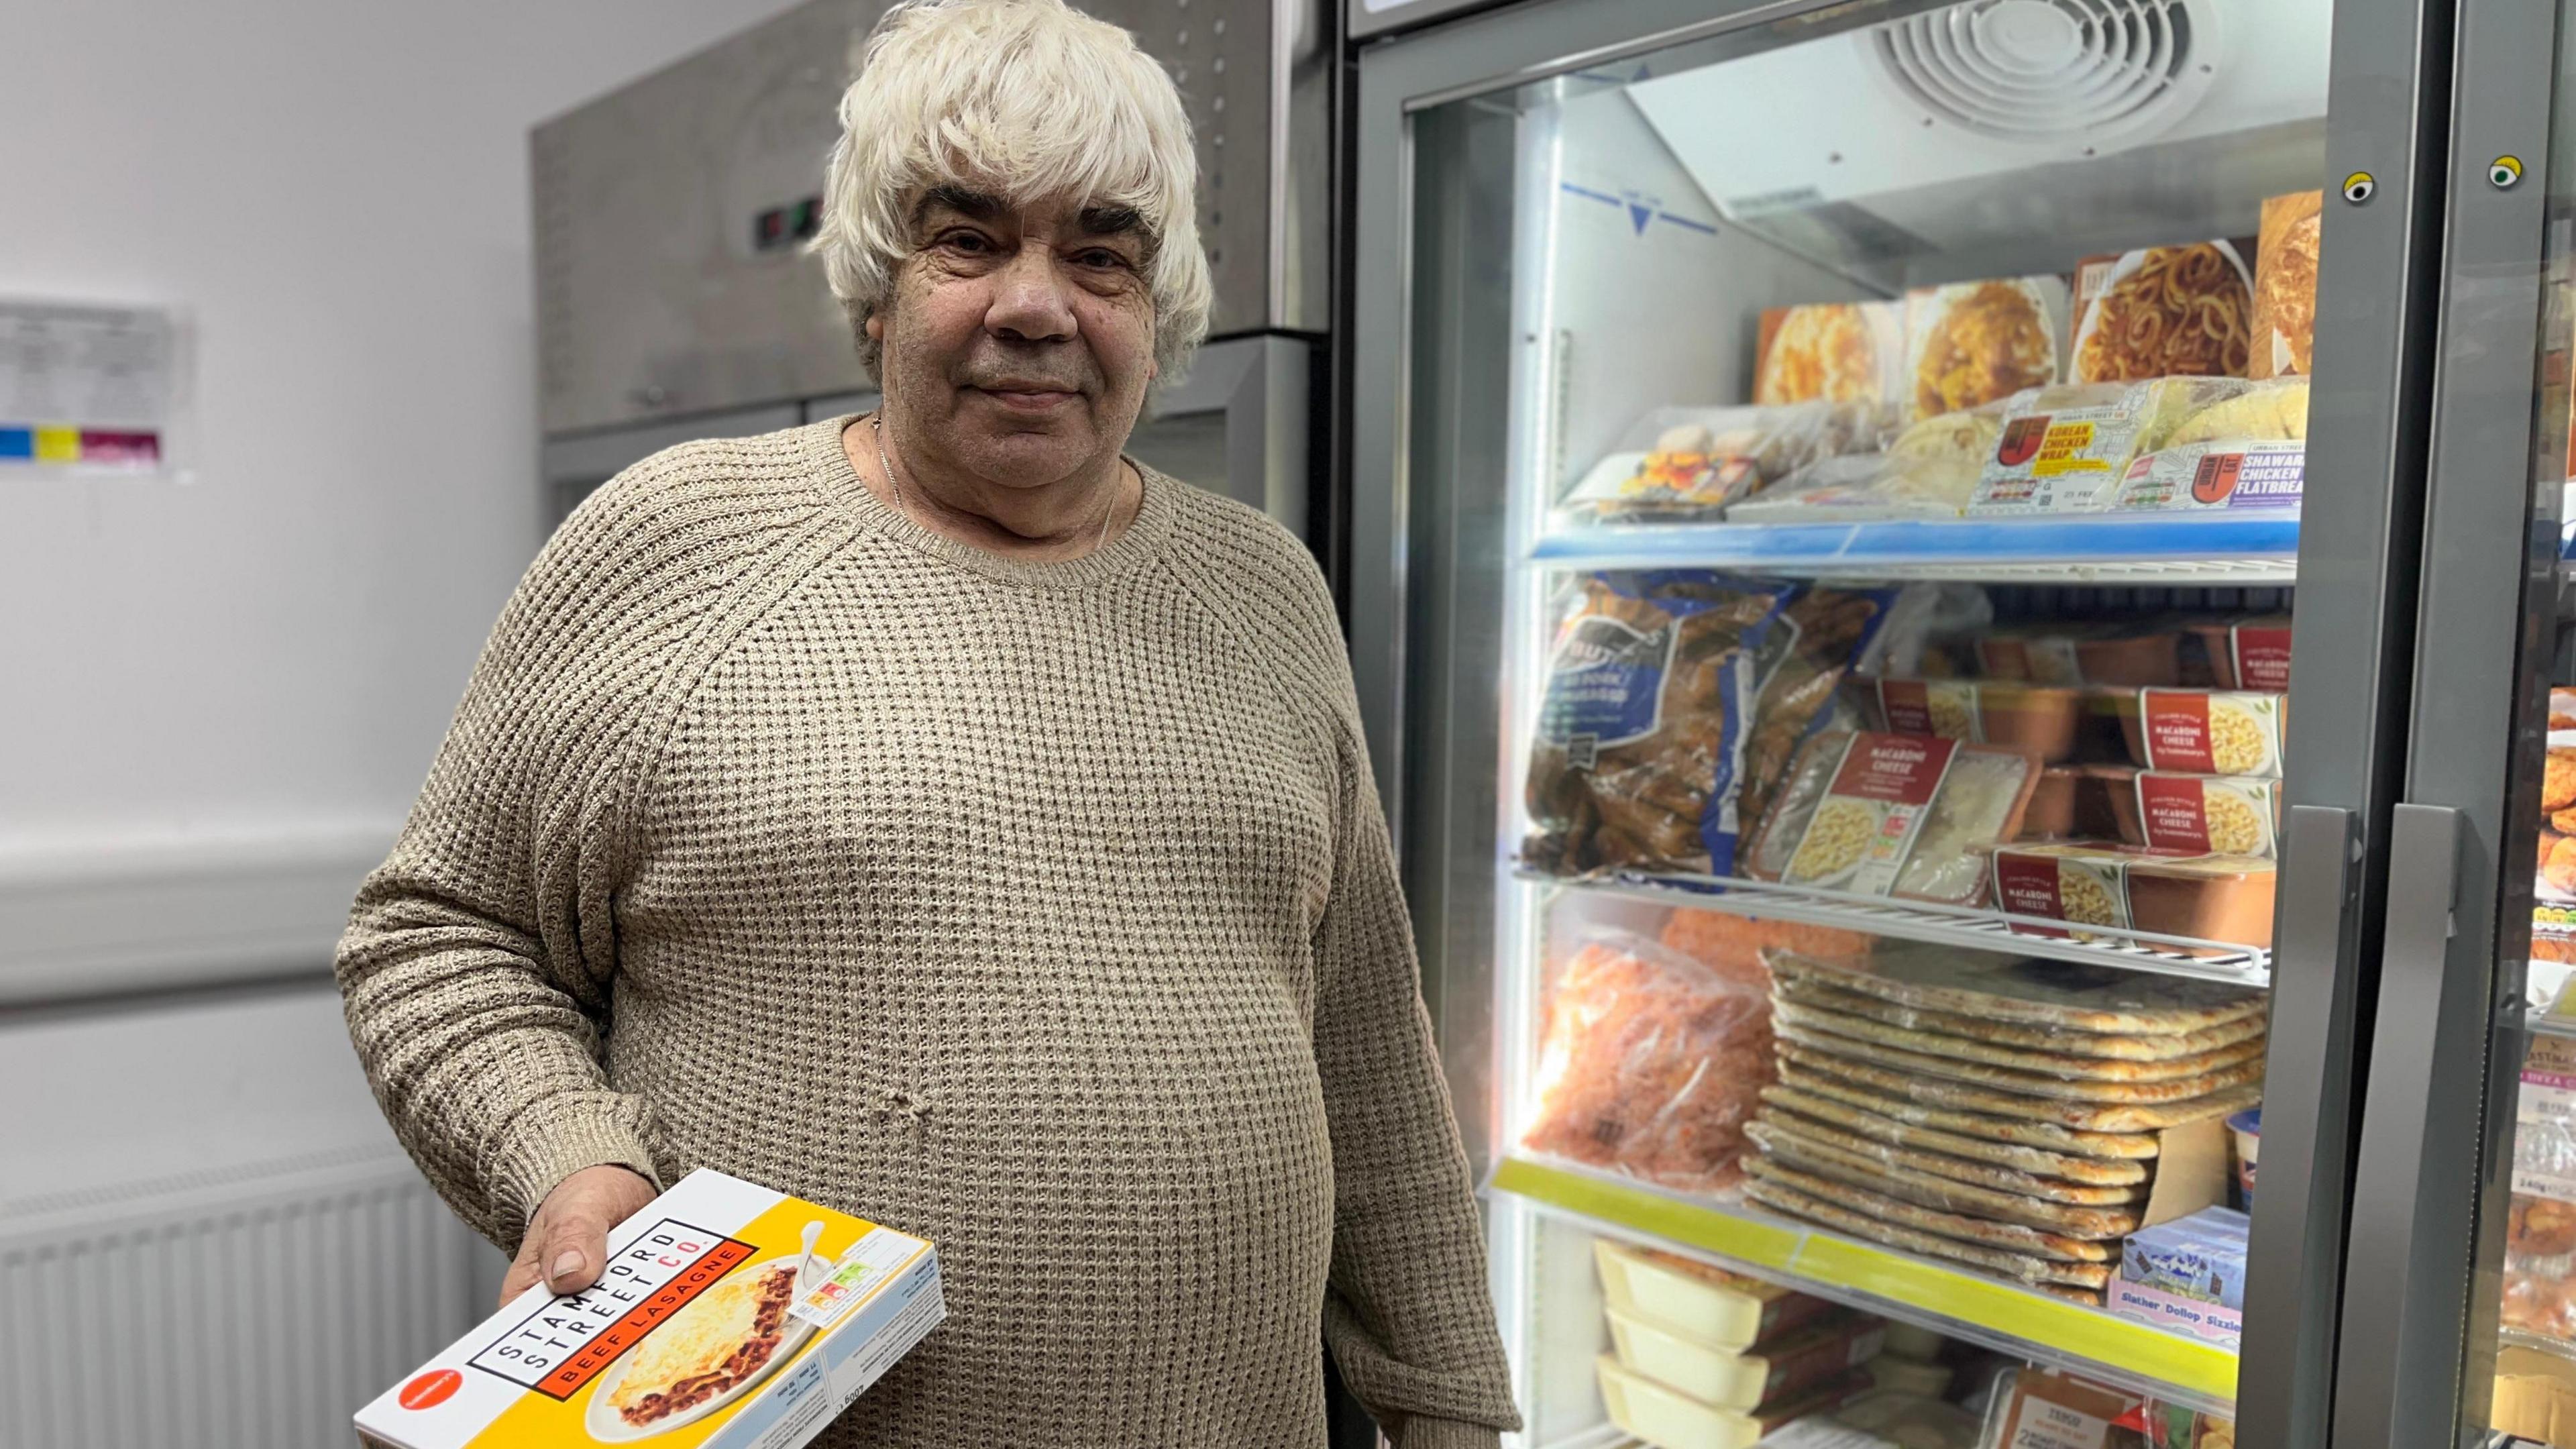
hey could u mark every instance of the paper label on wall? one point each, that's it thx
(85, 387)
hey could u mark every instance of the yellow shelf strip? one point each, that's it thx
(2202, 1372)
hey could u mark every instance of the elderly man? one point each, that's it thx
(937, 815)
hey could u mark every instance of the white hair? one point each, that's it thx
(1027, 99)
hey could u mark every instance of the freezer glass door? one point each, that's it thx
(1836, 507)
(2459, 1322)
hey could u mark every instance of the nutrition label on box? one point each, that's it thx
(868, 1265)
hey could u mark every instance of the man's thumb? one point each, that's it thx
(571, 1256)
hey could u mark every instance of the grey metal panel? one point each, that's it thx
(572, 467)
(1259, 386)
(654, 297)
(1367, 18)
(2354, 638)
(2418, 1327)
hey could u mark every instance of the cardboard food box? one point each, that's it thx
(2163, 312)
(1972, 343)
(730, 1316)
(2285, 285)
(1848, 352)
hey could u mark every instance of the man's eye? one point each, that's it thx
(967, 241)
(1101, 257)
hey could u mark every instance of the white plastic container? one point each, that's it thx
(1802, 1360)
(1722, 1310)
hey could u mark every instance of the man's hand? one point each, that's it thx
(567, 1243)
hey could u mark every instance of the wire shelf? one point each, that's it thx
(2216, 550)
(1980, 930)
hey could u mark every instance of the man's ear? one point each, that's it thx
(875, 327)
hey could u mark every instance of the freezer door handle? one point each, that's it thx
(2413, 1204)
(2284, 1379)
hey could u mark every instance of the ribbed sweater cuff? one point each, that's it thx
(548, 1144)
(1447, 1434)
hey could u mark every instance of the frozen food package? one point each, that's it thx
(1980, 802)
(1817, 1160)
(2172, 311)
(2540, 1227)
(1905, 1421)
(1973, 1051)
(2044, 719)
(2216, 898)
(2208, 814)
(1680, 464)
(1650, 1066)
(2204, 731)
(1776, 835)
(1972, 343)
(2249, 451)
(1845, 352)
(1820, 993)
(1778, 1121)
(2146, 1085)
(1929, 471)
(1852, 1119)
(1733, 946)
(2285, 285)
(2555, 882)
(2043, 1409)
(2027, 1255)
(1820, 636)
(2066, 449)
(2053, 995)
(1907, 1082)
(1892, 1103)
(1863, 828)
(1643, 725)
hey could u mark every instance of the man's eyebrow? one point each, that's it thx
(959, 199)
(1110, 220)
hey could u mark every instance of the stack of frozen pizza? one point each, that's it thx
(2003, 1114)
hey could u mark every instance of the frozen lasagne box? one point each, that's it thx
(729, 1316)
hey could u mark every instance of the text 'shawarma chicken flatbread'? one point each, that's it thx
(1972, 1053)
(1824, 996)
(2058, 995)
(722, 1339)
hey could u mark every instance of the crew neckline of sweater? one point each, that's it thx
(1135, 546)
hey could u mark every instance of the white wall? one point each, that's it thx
(337, 189)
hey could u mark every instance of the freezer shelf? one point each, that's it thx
(2011, 1320)
(1981, 930)
(2218, 550)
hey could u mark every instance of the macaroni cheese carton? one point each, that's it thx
(730, 1317)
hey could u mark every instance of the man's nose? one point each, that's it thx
(1029, 299)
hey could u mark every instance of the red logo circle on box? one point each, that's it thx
(431, 1389)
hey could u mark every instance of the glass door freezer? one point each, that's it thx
(1843, 485)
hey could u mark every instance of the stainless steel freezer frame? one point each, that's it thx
(1437, 342)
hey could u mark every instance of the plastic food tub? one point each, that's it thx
(2040, 717)
(2247, 653)
(1798, 1362)
(2246, 1130)
(2115, 792)
(2052, 811)
(1711, 1306)
(1671, 1419)
(2205, 897)
(2132, 659)
(2239, 731)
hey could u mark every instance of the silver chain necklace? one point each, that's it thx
(885, 462)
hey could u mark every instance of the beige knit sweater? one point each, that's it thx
(1044, 910)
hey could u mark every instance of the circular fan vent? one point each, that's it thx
(2060, 74)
